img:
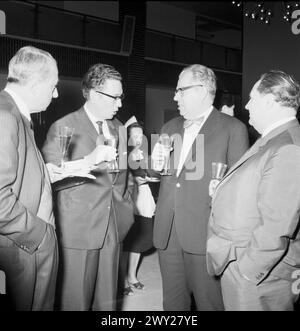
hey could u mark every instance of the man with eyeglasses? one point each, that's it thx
(93, 215)
(183, 206)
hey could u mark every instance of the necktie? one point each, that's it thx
(31, 125)
(100, 138)
(197, 121)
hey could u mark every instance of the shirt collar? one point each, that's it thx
(92, 117)
(23, 108)
(204, 115)
(276, 125)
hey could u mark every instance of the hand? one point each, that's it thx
(55, 173)
(158, 157)
(140, 180)
(101, 153)
(212, 186)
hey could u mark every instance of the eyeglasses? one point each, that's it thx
(182, 89)
(116, 98)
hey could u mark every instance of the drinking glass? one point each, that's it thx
(65, 134)
(218, 170)
(112, 165)
(167, 142)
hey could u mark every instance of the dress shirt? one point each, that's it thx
(190, 134)
(94, 120)
(277, 124)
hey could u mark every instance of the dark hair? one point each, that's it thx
(226, 99)
(283, 86)
(96, 76)
(134, 125)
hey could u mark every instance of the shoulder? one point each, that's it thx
(71, 118)
(230, 121)
(172, 124)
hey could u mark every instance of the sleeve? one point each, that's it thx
(238, 143)
(51, 149)
(16, 221)
(278, 202)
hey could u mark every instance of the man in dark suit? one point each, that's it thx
(28, 247)
(254, 240)
(93, 216)
(183, 205)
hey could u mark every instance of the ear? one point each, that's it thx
(269, 100)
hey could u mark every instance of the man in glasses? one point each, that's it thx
(183, 206)
(93, 215)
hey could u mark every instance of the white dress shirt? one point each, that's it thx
(94, 120)
(190, 134)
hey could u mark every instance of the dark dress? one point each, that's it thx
(140, 236)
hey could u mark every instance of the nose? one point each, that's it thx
(176, 96)
(119, 103)
(55, 93)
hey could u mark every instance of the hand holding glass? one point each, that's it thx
(167, 142)
(112, 166)
(65, 134)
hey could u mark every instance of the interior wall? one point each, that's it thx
(170, 19)
(269, 47)
(160, 107)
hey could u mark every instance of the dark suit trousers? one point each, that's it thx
(184, 274)
(31, 278)
(88, 278)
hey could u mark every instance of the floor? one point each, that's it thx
(149, 299)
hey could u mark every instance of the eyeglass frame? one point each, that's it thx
(116, 98)
(182, 89)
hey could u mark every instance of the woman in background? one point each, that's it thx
(139, 238)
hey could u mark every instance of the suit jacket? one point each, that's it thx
(21, 180)
(256, 208)
(84, 208)
(187, 202)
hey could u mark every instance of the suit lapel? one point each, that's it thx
(87, 124)
(178, 131)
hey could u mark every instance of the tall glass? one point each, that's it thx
(65, 134)
(112, 165)
(218, 170)
(167, 142)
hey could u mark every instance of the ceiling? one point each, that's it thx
(215, 13)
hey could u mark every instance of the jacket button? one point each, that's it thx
(178, 185)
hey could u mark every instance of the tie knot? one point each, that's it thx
(197, 121)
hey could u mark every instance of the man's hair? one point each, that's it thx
(96, 76)
(203, 75)
(30, 64)
(284, 87)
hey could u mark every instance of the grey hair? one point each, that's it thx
(204, 75)
(29, 64)
(283, 86)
